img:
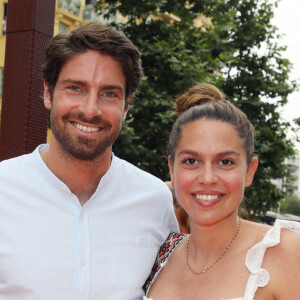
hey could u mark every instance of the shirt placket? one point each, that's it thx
(83, 255)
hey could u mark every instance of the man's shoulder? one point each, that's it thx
(17, 163)
(14, 160)
(129, 170)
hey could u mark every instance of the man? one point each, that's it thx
(76, 221)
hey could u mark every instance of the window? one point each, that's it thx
(93, 2)
(72, 6)
(62, 27)
(90, 14)
(4, 18)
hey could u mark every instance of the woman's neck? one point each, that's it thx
(208, 242)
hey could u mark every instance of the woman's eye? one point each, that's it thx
(190, 161)
(226, 162)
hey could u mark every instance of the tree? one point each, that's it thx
(238, 52)
(291, 206)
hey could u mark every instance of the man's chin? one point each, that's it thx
(85, 154)
(83, 148)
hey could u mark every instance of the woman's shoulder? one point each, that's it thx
(272, 257)
(165, 251)
(288, 235)
(282, 259)
(277, 240)
(173, 239)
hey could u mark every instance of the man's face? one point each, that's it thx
(88, 105)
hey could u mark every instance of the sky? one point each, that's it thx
(287, 19)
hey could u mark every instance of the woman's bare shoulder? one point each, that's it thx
(283, 264)
(289, 243)
(255, 232)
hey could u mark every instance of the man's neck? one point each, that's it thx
(81, 176)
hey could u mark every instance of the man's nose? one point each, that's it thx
(90, 106)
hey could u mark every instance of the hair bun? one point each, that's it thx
(198, 95)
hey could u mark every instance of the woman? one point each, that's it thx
(211, 162)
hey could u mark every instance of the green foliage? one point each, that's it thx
(291, 206)
(239, 53)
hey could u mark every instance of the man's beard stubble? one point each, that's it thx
(79, 147)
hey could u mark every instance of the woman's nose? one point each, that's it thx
(207, 175)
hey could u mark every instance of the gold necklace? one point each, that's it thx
(218, 259)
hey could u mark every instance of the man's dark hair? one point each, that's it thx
(98, 37)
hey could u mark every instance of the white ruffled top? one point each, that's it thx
(258, 277)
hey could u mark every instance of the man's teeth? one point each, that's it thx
(86, 128)
(207, 197)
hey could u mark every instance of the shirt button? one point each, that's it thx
(81, 218)
(82, 262)
(64, 188)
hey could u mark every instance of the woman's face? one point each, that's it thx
(210, 170)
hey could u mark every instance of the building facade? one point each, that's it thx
(293, 184)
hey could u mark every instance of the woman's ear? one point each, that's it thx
(170, 163)
(251, 171)
(47, 96)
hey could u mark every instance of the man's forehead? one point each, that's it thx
(93, 66)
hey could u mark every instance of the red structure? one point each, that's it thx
(24, 119)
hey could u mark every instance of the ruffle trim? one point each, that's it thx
(256, 254)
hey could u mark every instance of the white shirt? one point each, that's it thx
(52, 248)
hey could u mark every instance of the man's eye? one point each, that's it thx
(226, 162)
(110, 94)
(74, 88)
(190, 161)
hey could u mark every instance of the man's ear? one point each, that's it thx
(47, 96)
(251, 171)
(125, 113)
(127, 106)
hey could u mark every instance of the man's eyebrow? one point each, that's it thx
(112, 87)
(75, 81)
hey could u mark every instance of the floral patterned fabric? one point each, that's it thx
(165, 251)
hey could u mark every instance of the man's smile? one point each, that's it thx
(86, 128)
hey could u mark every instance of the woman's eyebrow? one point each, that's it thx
(195, 153)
